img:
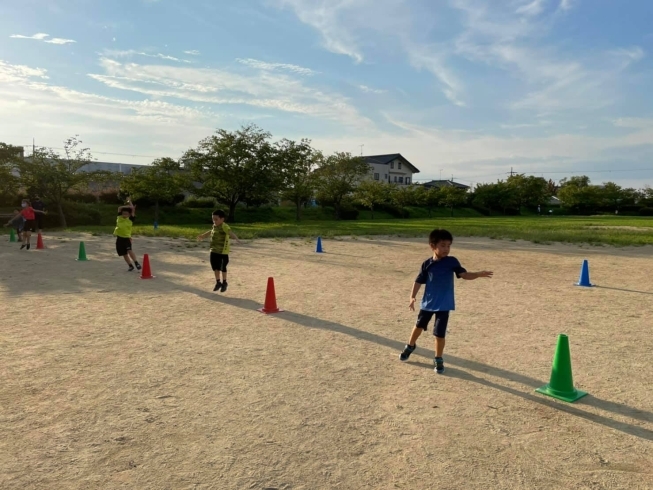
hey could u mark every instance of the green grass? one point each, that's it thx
(588, 230)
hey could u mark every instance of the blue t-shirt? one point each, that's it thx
(438, 277)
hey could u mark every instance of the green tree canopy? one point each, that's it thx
(371, 193)
(337, 177)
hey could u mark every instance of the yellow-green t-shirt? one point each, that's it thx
(220, 239)
(124, 227)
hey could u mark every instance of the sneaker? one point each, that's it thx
(138, 266)
(439, 365)
(23, 246)
(218, 285)
(224, 287)
(131, 268)
(28, 245)
(405, 354)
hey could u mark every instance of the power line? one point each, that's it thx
(104, 152)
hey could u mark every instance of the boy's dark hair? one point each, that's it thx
(125, 208)
(219, 213)
(438, 236)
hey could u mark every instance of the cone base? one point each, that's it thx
(584, 285)
(565, 397)
(81, 260)
(148, 277)
(269, 312)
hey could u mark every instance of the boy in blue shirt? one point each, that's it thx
(438, 300)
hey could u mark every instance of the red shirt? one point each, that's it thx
(28, 213)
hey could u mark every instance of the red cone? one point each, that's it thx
(146, 273)
(270, 299)
(39, 243)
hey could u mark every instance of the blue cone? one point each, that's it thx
(584, 279)
(318, 248)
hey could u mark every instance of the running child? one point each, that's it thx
(437, 274)
(123, 234)
(29, 226)
(16, 222)
(220, 246)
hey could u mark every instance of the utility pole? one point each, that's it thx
(33, 147)
(511, 172)
(362, 149)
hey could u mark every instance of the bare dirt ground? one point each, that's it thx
(109, 381)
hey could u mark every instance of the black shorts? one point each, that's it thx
(29, 225)
(441, 321)
(123, 245)
(219, 262)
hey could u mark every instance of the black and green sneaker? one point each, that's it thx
(439, 365)
(405, 354)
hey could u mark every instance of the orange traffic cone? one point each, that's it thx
(39, 243)
(146, 273)
(270, 299)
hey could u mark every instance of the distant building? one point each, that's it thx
(123, 168)
(444, 183)
(392, 168)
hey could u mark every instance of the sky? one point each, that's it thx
(466, 88)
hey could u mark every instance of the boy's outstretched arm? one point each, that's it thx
(470, 276)
(203, 235)
(233, 236)
(413, 294)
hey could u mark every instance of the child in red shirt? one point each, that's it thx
(29, 215)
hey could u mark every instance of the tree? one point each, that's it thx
(235, 167)
(402, 197)
(577, 194)
(53, 176)
(452, 197)
(489, 196)
(337, 177)
(529, 191)
(297, 161)
(9, 183)
(428, 198)
(160, 182)
(371, 193)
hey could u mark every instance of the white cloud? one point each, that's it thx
(39, 37)
(192, 52)
(262, 65)
(58, 40)
(536, 7)
(566, 4)
(268, 90)
(371, 90)
(131, 53)
(43, 37)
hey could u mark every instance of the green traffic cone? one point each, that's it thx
(82, 253)
(12, 236)
(561, 385)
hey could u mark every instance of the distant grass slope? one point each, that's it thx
(617, 231)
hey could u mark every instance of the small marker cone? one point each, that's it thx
(12, 236)
(39, 243)
(584, 279)
(561, 385)
(318, 248)
(270, 299)
(81, 257)
(146, 273)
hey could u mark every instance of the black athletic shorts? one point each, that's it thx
(123, 245)
(219, 262)
(441, 321)
(29, 225)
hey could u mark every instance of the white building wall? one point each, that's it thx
(388, 174)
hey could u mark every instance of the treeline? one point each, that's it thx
(245, 167)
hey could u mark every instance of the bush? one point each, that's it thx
(110, 197)
(646, 212)
(77, 214)
(86, 197)
(348, 213)
(198, 202)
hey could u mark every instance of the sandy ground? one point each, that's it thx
(109, 381)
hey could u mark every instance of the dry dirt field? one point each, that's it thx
(108, 381)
